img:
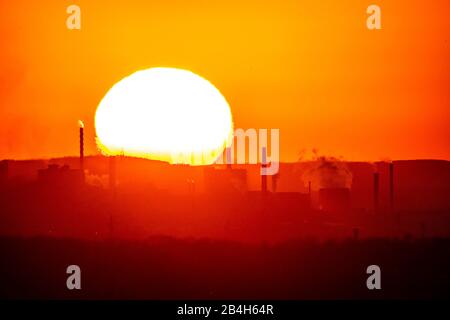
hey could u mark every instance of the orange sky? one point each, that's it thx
(310, 68)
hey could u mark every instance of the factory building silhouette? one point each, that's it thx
(224, 200)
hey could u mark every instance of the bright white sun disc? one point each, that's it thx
(164, 114)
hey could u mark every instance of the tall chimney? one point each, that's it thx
(376, 191)
(263, 174)
(81, 124)
(391, 186)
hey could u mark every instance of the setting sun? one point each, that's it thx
(164, 114)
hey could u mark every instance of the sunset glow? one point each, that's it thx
(164, 114)
(195, 155)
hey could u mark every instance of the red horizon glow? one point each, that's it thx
(311, 69)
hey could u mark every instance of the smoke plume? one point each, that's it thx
(327, 172)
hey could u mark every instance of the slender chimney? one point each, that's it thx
(376, 191)
(81, 124)
(263, 174)
(391, 186)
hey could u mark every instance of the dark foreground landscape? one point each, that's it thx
(146, 230)
(169, 268)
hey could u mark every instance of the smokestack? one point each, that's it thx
(391, 186)
(264, 176)
(376, 191)
(81, 124)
